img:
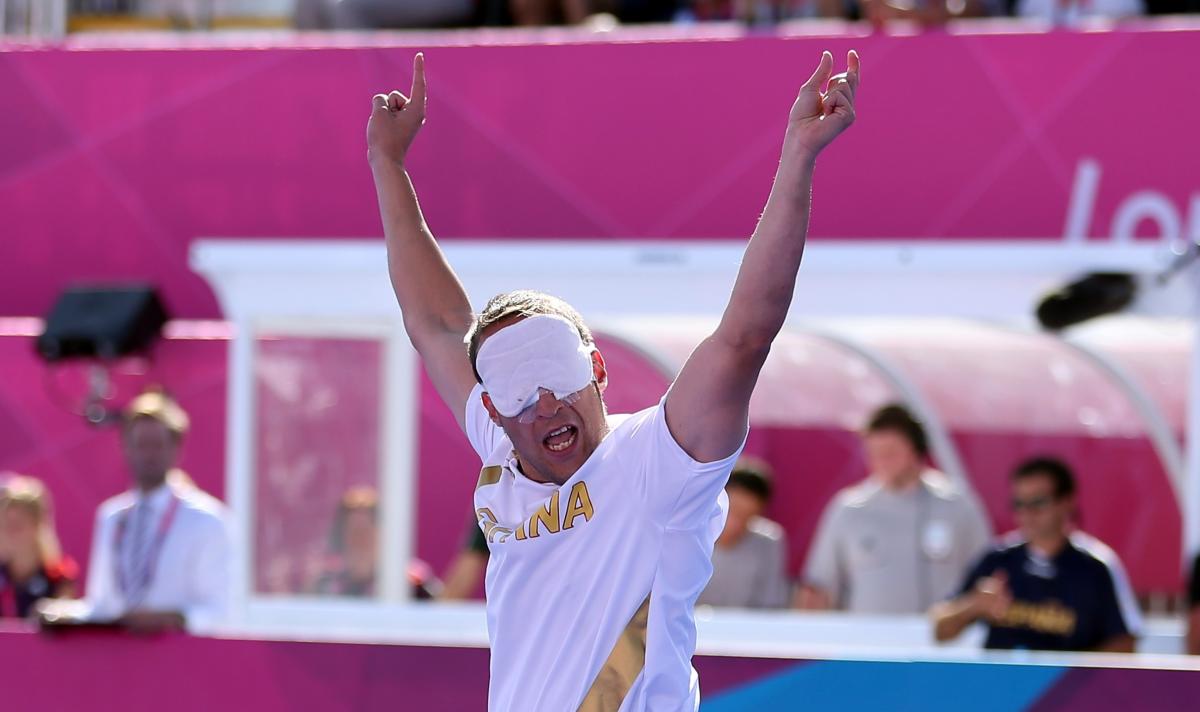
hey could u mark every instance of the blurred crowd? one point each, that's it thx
(907, 539)
(391, 14)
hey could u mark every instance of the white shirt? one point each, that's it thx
(187, 544)
(572, 566)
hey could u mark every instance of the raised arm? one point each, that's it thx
(437, 313)
(709, 402)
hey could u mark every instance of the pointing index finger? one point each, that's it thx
(852, 68)
(418, 85)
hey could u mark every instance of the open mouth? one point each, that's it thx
(561, 439)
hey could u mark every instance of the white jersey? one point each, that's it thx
(591, 585)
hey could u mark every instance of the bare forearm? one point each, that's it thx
(811, 598)
(1119, 644)
(951, 618)
(463, 577)
(430, 295)
(763, 291)
(1193, 631)
(707, 409)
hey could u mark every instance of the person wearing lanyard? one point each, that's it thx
(32, 565)
(161, 552)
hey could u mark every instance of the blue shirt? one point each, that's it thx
(1077, 600)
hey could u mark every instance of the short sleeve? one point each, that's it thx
(679, 488)
(773, 590)
(1112, 621)
(483, 434)
(822, 569)
(977, 534)
(1121, 613)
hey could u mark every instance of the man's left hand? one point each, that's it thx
(818, 117)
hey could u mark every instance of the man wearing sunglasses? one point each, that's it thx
(1046, 587)
(600, 528)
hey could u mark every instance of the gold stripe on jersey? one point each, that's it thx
(624, 664)
(489, 476)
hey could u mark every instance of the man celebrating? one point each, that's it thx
(600, 527)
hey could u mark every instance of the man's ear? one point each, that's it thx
(599, 371)
(490, 407)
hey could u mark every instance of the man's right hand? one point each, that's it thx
(396, 118)
(991, 597)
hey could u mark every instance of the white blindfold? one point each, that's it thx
(538, 352)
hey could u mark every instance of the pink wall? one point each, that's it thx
(112, 161)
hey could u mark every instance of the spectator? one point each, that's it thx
(899, 541)
(161, 552)
(1045, 588)
(377, 14)
(750, 555)
(547, 12)
(1193, 630)
(1071, 12)
(929, 13)
(352, 565)
(761, 12)
(32, 565)
(467, 570)
(353, 547)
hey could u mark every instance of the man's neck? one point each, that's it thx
(904, 482)
(535, 476)
(148, 488)
(1048, 547)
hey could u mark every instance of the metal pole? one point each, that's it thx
(1191, 505)
(240, 470)
(398, 475)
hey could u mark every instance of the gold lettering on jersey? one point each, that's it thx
(1052, 617)
(580, 505)
(492, 531)
(547, 515)
(550, 518)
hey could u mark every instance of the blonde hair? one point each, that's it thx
(355, 499)
(155, 404)
(30, 495)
